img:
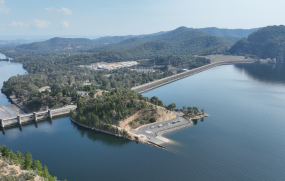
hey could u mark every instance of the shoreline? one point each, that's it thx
(137, 139)
(156, 141)
(15, 101)
(96, 129)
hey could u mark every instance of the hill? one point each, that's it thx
(178, 38)
(116, 39)
(179, 42)
(228, 32)
(58, 44)
(268, 42)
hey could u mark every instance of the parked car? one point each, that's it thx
(160, 125)
(151, 127)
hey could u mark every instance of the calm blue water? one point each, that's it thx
(243, 139)
(8, 70)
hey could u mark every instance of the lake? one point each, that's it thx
(243, 139)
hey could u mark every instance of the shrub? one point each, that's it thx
(152, 120)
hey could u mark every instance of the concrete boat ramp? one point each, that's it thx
(158, 141)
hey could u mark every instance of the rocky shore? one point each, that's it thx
(131, 137)
(103, 131)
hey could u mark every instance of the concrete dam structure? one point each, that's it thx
(157, 83)
(24, 118)
(11, 110)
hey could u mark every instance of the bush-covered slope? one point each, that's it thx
(75, 44)
(107, 40)
(228, 32)
(268, 42)
(177, 37)
(182, 41)
(58, 44)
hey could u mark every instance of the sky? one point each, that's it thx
(132, 17)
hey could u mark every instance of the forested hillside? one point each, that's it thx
(268, 42)
(119, 43)
(180, 42)
(181, 37)
(178, 38)
(57, 44)
(228, 32)
(106, 40)
(15, 166)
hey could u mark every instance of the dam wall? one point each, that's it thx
(13, 119)
(157, 83)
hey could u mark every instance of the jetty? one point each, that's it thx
(157, 83)
(35, 116)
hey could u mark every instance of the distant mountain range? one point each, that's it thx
(179, 42)
(74, 44)
(58, 44)
(268, 42)
(118, 43)
(228, 32)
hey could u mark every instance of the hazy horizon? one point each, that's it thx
(126, 17)
(45, 37)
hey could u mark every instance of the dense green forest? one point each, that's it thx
(112, 106)
(268, 42)
(65, 80)
(25, 162)
(228, 32)
(58, 44)
(181, 41)
(69, 45)
(106, 40)
(115, 105)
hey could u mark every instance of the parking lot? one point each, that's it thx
(148, 132)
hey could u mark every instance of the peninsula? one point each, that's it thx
(126, 113)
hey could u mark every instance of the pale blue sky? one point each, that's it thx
(124, 17)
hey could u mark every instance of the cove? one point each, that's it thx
(243, 139)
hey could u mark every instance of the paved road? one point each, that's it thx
(167, 80)
(148, 132)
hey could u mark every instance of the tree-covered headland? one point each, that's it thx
(107, 110)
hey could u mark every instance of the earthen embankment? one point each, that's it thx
(167, 80)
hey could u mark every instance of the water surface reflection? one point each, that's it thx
(268, 73)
